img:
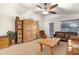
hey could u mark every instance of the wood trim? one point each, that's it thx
(22, 31)
(17, 18)
(3, 36)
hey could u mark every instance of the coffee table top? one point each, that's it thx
(49, 41)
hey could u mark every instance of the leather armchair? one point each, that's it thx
(75, 44)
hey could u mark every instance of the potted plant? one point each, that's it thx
(12, 36)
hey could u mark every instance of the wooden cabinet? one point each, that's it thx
(29, 30)
(4, 41)
(26, 30)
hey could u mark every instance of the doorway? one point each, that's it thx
(51, 29)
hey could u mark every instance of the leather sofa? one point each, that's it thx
(64, 35)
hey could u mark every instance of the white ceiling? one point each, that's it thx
(62, 9)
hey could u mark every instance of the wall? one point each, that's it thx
(7, 16)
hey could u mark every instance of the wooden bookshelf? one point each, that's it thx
(18, 26)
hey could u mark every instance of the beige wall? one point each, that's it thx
(7, 16)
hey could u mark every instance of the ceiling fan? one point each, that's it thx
(47, 9)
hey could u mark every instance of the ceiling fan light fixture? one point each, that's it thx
(47, 8)
(45, 12)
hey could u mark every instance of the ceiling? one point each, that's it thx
(62, 9)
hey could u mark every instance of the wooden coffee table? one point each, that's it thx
(49, 42)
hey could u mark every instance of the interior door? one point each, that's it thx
(33, 30)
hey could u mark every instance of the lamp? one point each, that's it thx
(69, 46)
(69, 49)
(69, 42)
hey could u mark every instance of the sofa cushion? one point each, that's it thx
(76, 38)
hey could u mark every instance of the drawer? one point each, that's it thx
(19, 31)
(19, 36)
(19, 27)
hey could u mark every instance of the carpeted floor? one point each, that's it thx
(33, 48)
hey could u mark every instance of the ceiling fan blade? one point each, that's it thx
(52, 12)
(38, 12)
(53, 6)
(39, 6)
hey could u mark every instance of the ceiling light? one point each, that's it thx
(45, 12)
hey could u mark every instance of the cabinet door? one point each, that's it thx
(33, 30)
(26, 30)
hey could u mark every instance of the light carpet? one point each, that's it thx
(33, 48)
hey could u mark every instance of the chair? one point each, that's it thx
(42, 34)
(74, 38)
(75, 44)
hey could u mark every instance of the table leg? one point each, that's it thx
(58, 42)
(51, 51)
(41, 47)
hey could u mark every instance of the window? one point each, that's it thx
(70, 26)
